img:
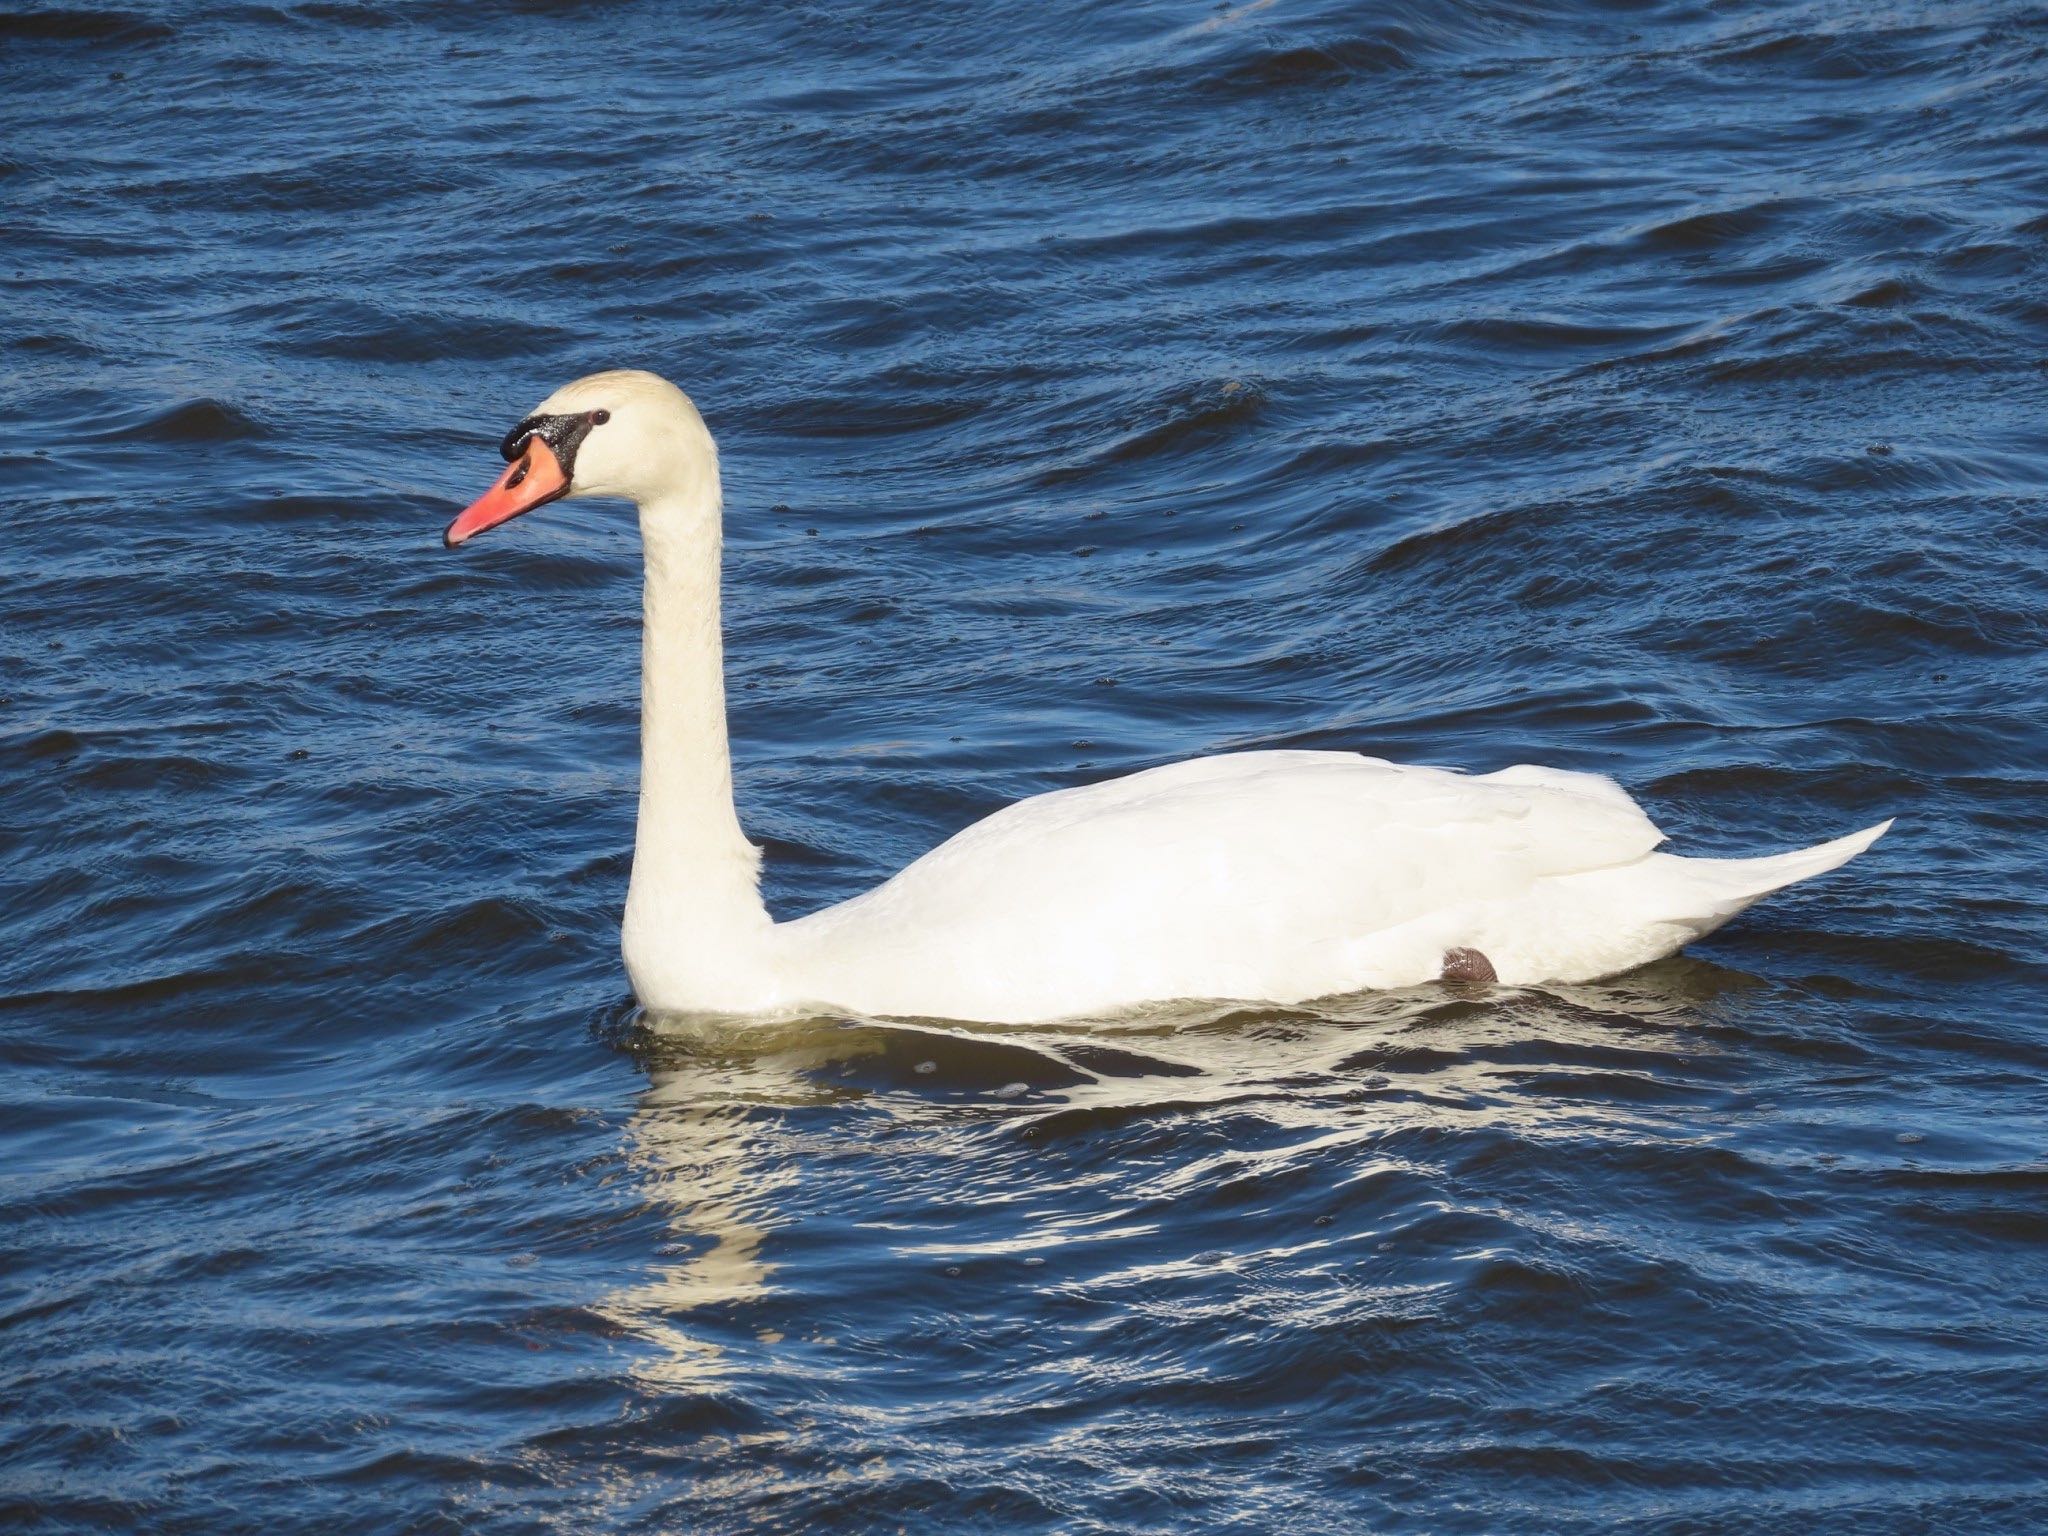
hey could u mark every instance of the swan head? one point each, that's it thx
(625, 433)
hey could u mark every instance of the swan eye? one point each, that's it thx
(599, 418)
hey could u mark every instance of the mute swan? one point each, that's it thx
(1269, 876)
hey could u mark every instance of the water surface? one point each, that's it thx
(1650, 388)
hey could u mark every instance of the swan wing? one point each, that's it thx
(1254, 874)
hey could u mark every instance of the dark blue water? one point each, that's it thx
(1654, 388)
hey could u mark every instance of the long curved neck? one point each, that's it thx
(695, 885)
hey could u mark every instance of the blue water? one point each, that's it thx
(1654, 388)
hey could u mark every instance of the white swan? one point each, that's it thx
(1270, 876)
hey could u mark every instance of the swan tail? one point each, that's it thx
(1708, 892)
(1605, 921)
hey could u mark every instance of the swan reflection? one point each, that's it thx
(715, 1144)
(698, 1140)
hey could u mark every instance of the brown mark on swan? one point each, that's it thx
(1468, 965)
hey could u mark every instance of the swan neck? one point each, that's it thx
(695, 876)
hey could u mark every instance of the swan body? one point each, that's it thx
(1270, 876)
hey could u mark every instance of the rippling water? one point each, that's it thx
(1654, 388)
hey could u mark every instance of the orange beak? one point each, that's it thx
(531, 480)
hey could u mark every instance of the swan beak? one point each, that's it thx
(531, 480)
